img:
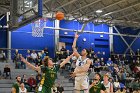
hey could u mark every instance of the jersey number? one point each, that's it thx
(52, 75)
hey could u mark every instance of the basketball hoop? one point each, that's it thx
(38, 27)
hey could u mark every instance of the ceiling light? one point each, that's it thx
(99, 11)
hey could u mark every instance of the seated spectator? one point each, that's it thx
(63, 51)
(27, 86)
(32, 82)
(102, 62)
(22, 88)
(116, 68)
(28, 56)
(97, 66)
(34, 57)
(24, 78)
(116, 85)
(123, 76)
(7, 72)
(38, 78)
(2, 56)
(43, 54)
(109, 63)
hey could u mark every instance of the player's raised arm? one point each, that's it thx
(74, 45)
(66, 60)
(30, 65)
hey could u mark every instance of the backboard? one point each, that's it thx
(23, 12)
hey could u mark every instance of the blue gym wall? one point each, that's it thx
(22, 39)
(3, 33)
(94, 41)
(119, 45)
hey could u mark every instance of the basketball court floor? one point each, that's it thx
(109, 28)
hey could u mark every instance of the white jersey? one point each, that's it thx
(22, 91)
(79, 64)
(108, 86)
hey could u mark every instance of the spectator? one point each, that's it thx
(60, 88)
(68, 53)
(24, 78)
(125, 59)
(38, 78)
(46, 51)
(91, 54)
(97, 66)
(116, 85)
(22, 88)
(32, 82)
(16, 56)
(17, 60)
(34, 57)
(27, 86)
(108, 85)
(97, 86)
(43, 54)
(64, 52)
(102, 62)
(109, 63)
(123, 76)
(116, 69)
(2, 55)
(28, 56)
(7, 72)
(15, 86)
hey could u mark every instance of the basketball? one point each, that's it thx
(59, 15)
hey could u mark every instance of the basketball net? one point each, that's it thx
(38, 27)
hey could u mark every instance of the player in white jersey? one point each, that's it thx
(81, 71)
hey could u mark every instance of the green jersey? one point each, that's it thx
(16, 86)
(97, 88)
(49, 75)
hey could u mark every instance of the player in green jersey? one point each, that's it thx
(97, 86)
(49, 73)
(15, 86)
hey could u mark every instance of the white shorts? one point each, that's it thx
(81, 83)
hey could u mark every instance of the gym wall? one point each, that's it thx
(119, 45)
